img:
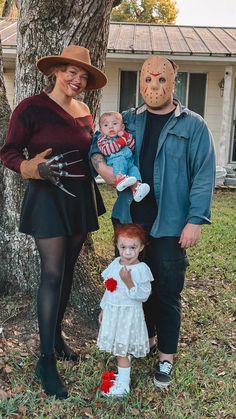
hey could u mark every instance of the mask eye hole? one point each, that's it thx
(162, 80)
(148, 79)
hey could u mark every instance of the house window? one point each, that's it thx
(181, 83)
(128, 89)
(190, 89)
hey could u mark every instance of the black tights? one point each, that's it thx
(58, 257)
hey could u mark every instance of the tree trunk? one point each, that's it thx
(4, 118)
(45, 28)
(10, 241)
(18, 258)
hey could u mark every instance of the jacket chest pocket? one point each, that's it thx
(176, 146)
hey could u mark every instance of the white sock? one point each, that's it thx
(124, 374)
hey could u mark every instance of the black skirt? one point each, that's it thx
(47, 211)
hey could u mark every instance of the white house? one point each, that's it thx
(206, 57)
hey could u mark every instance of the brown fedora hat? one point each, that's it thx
(78, 56)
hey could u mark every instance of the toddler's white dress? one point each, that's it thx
(123, 329)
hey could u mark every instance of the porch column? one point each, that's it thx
(224, 144)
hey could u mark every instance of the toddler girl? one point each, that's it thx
(123, 330)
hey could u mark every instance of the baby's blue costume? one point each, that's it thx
(122, 162)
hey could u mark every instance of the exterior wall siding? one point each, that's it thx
(9, 75)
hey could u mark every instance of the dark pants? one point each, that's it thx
(168, 263)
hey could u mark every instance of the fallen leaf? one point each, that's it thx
(22, 409)
(232, 347)
(221, 374)
(221, 383)
(87, 412)
(135, 412)
(8, 369)
(3, 394)
(152, 397)
(100, 365)
(23, 354)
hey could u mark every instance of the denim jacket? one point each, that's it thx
(184, 171)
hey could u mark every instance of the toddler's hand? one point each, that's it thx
(125, 275)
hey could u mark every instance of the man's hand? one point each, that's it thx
(125, 275)
(190, 235)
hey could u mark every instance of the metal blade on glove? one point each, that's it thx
(53, 169)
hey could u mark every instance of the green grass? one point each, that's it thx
(204, 385)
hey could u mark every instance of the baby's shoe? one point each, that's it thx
(124, 182)
(141, 190)
(116, 389)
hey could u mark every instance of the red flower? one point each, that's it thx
(108, 375)
(110, 284)
(106, 385)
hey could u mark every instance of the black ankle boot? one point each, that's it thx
(52, 383)
(63, 351)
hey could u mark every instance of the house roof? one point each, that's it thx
(143, 38)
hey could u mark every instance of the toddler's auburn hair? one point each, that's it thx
(131, 231)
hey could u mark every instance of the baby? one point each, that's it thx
(117, 146)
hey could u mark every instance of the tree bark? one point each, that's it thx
(4, 118)
(45, 27)
(5, 109)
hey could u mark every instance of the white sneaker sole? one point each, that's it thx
(141, 192)
(160, 384)
(126, 393)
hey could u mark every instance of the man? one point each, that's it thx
(175, 154)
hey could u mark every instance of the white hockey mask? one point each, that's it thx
(157, 81)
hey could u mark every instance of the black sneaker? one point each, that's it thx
(163, 375)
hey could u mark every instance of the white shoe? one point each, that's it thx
(125, 182)
(118, 389)
(141, 191)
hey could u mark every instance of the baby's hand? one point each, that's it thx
(100, 317)
(121, 133)
(125, 275)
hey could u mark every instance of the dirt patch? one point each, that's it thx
(18, 320)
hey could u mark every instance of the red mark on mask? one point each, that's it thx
(155, 74)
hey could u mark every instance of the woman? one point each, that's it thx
(47, 125)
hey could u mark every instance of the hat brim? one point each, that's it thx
(96, 80)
